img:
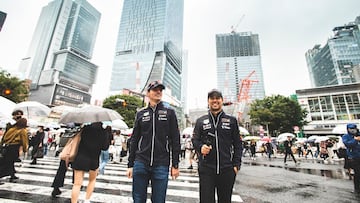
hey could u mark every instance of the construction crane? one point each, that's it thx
(243, 96)
(233, 28)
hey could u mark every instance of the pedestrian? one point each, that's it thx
(37, 144)
(253, 149)
(16, 115)
(117, 145)
(217, 141)
(93, 140)
(46, 140)
(269, 149)
(352, 142)
(15, 137)
(155, 136)
(183, 147)
(288, 151)
(192, 153)
(105, 155)
(59, 178)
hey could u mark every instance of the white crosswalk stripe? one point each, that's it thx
(35, 182)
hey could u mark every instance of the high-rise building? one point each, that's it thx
(238, 56)
(58, 61)
(149, 46)
(334, 63)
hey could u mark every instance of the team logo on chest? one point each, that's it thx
(146, 116)
(225, 123)
(206, 124)
(162, 115)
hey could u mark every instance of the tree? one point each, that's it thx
(12, 87)
(278, 112)
(126, 105)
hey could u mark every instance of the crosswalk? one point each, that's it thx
(34, 185)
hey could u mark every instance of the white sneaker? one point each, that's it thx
(86, 201)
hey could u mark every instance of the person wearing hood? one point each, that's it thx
(352, 142)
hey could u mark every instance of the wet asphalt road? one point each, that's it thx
(264, 181)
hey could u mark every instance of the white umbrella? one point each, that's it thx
(6, 106)
(321, 139)
(312, 138)
(301, 140)
(339, 129)
(90, 114)
(33, 109)
(283, 136)
(243, 131)
(246, 138)
(119, 124)
(188, 131)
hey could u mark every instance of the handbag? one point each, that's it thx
(39, 153)
(3, 150)
(70, 150)
(4, 147)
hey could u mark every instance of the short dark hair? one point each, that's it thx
(17, 112)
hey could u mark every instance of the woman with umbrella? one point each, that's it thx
(93, 139)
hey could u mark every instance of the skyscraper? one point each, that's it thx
(238, 58)
(58, 61)
(149, 46)
(334, 64)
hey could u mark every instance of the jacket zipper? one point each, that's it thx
(153, 138)
(216, 142)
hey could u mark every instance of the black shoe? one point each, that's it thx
(190, 167)
(1, 183)
(18, 160)
(33, 163)
(55, 192)
(14, 177)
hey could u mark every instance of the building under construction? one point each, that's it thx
(239, 71)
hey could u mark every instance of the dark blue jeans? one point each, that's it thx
(158, 175)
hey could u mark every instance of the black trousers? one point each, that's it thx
(7, 167)
(223, 183)
(291, 154)
(355, 164)
(60, 175)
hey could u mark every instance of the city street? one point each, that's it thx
(259, 181)
(312, 181)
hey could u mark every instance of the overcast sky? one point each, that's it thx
(286, 28)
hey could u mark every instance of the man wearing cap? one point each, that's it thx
(217, 141)
(155, 134)
(352, 142)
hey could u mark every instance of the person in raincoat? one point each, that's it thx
(352, 142)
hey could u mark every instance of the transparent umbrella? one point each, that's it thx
(33, 109)
(90, 114)
(6, 106)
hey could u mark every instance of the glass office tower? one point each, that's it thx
(149, 46)
(58, 62)
(334, 64)
(238, 57)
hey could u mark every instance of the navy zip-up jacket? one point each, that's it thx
(155, 135)
(222, 132)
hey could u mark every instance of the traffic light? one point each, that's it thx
(121, 102)
(7, 91)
